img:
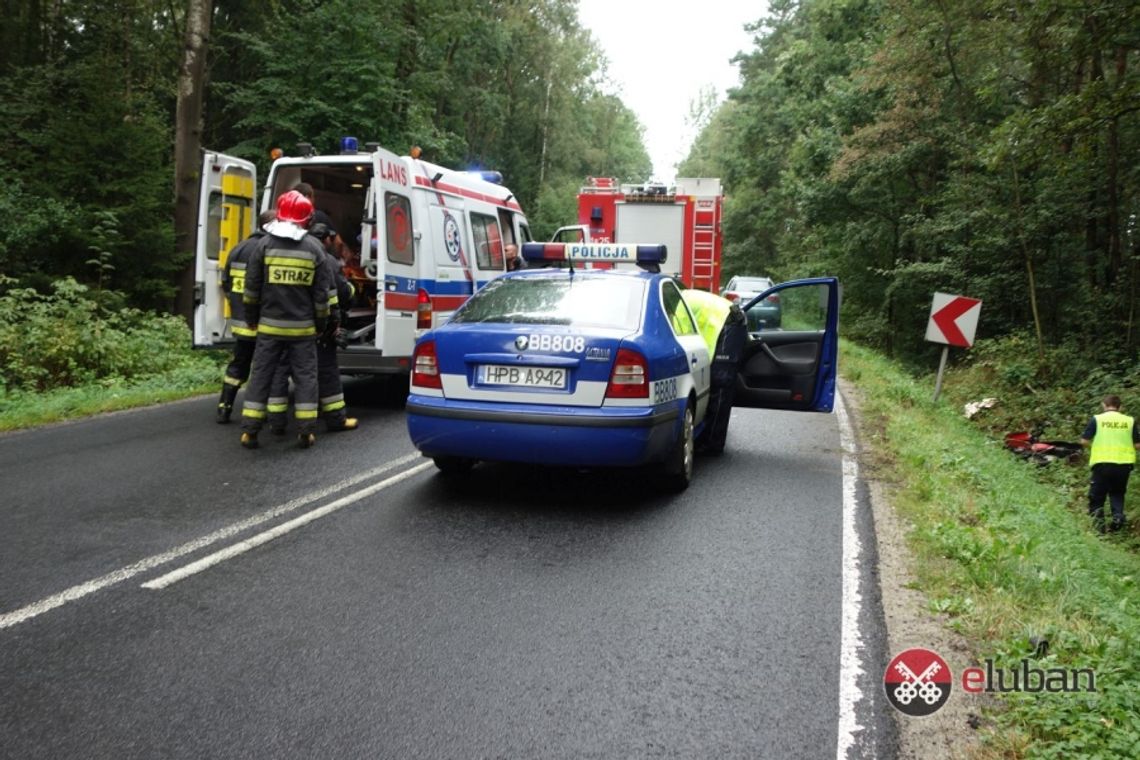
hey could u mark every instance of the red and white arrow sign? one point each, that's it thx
(953, 320)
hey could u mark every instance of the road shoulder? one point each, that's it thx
(948, 733)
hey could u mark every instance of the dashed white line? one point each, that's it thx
(74, 593)
(851, 640)
(264, 537)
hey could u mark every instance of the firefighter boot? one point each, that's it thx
(349, 423)
(306, 440)
(226, 403)
(249, 440)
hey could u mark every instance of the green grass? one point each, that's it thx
(201, 374)
(1009, 555)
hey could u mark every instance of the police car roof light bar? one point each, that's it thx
(646, 256)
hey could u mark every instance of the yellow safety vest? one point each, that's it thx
(710, 311)
(1113, 439)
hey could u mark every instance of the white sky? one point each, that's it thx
(662, 53)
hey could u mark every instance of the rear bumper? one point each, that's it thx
(549, 435)
(366, 360)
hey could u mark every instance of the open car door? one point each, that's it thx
(792, 366)
(226, 216)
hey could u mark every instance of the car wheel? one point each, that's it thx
(454, 466)
(678, 469)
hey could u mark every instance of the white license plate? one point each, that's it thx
(527, 377)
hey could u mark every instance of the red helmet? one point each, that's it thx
(294, 207)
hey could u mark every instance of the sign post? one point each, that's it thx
(953, 322)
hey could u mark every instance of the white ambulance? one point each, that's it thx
(416, 239)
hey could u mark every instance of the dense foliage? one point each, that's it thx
(68, 338)
(965, 146)
(87, 96)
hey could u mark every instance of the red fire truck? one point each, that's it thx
(686, 218)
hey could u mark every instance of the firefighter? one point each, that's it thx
(725, 330)
(330, 390)
(245, 337)
(1114, 441)
(286, 296)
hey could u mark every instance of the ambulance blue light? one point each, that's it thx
(349, 145)
(616, 253)
(487, 175)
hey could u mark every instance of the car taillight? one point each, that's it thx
(425, 366)
(773, 299)
(423, 310)
(630, 376)
(732, 296)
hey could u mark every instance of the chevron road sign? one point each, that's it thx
(953, 320)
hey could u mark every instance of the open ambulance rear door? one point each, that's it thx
(395, 254)
(226, 216)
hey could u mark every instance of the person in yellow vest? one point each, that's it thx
(1114, 440)
(725, 330)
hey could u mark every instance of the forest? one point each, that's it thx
(90, 97)
(974, 147)
(978, 147)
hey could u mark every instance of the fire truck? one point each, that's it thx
(417, 240)
(686, 218)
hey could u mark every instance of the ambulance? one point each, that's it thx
(416, 240)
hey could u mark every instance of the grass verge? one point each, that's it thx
(200, 375)
(1009, 558)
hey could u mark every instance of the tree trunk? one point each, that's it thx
(188, 146)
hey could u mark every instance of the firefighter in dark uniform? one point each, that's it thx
(287, 297)
(1114, 441)
(331, 392)
(725, 329)
(245, 337)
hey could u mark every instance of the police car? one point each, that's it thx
(575, 366)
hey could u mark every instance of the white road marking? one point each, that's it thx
(241, 547)
(22, 614)
(850, 639)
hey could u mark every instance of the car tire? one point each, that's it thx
(454, 467)
(678, 468)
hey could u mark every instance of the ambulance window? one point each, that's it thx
(488, 242)
(398, 223)
(508, 229)
(525, 232)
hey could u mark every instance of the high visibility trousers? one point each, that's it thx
(330, 391)
(237, 371)
(301, 357)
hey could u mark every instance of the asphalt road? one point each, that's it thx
(364, 606)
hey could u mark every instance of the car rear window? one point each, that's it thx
(578, 302)
(753, 283)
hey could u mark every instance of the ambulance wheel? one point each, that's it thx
(678, 469)
(454, 466)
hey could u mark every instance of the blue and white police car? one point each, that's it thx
(573, 366)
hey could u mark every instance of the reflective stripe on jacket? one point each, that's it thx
(1113, 440)
(287, 288)
(233, 282)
